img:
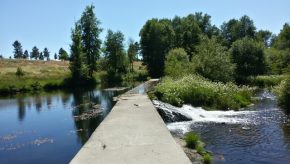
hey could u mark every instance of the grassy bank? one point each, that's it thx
(266, 81)
(198, 91)
(283, 93)
(36, 75)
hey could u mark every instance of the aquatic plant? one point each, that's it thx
(198, 91)
(192, 140)
(207, 159)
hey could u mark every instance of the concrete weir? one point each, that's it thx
(133, 133)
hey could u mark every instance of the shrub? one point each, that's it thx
(177, 63)
(198, 91)
(191, 140)
(19, 72)
(207, 159)
(283, 91)
(266, 81)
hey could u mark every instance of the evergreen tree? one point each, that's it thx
(132, 53)
(35, 53)
(77, 67)
(26, 54)
(18, 52)
(55, 56)
(46, 54)
(90, 37)
(41, 57)
(62, 54)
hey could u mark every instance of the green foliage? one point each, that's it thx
(132, 53)
(19, 72)
(177, 63)
(282, 42)
(156, 40)
(264, 36)
(283, 92)
(35, 53)
(249, 57)
(41, 57)
(213, 61)
(198, 91)
(26, 54)
(62, 54)
(114, 53)
(18, 52)
(192, 140)
(237, 29)
(90, 32)
(46, 53)
(77, 66)
(207, 159)
(265, 81)
(277, 60)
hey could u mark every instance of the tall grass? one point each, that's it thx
(266, 81)
(283, 92)
(198, 91)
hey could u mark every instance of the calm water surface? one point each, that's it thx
(42, 128)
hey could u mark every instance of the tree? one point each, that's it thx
(264, 36)
(177, 63)
(35, 53)
(249, 57)
(277, 60)
(62, 54)
(238, 29)
(46, 54)
(18, 52)
(90, 37)
(157, 38)
(55, 56)
(132, 53)
(213, 61)
(41, 57)
(114, 52)
(77, 66)
(282, 41)
(26, 54)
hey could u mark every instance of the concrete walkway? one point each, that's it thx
(133, 133)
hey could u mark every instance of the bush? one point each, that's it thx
(283, 91)
(266, 81)
(207, 159)
(177, 63)
(192, 140)
(19, 72)
(198, 91)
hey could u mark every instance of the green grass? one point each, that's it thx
(266, 81)
(192, 140)
(207, 159)
(35, 75)
(198, 91)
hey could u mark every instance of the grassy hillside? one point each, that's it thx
(36, 74)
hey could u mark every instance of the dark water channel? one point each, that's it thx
(43, 128)
(259, 134)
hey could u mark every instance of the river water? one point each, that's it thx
(44, 128)
(258, 134)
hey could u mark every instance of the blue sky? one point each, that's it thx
(47, 23)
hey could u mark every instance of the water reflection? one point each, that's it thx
(49, 117)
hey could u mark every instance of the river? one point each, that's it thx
(258, 134)
(45, 127)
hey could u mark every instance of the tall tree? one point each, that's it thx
(77, 67)
(41, 57)
(46, 54)
(35, 53)
(55, 56)
(115, 53)
(18, 52)
(62, 54)
(157, 38)
(264, 36)
(90, 37)
(132, 53)
(249, 57)
(282, 41)
(26, 54)
(238, 29)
